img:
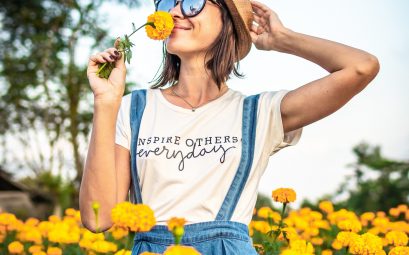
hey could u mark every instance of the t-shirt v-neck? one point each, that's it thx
(159, 94)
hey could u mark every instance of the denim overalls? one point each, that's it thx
(218, 237)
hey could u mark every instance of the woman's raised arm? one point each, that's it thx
(106, 174)
(350, 69)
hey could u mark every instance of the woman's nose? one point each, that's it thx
(177, 10)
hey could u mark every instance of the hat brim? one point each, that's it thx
(242, 15)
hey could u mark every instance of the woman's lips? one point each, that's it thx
(179, 27)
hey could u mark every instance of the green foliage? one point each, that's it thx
(388, 188)
(43, 89)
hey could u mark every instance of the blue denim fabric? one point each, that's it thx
(221, 236)
(209, 238)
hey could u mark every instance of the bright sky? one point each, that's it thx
(378, 115)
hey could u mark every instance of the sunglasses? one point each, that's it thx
(190, 8)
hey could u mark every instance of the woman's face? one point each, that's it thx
(194, 35)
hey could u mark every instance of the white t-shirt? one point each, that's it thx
(187, 160)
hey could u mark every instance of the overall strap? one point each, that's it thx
(248, 139)
(138, 102)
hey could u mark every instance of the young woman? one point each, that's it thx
(197, 149)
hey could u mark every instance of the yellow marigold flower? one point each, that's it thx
(290, 233)
(103, 246)
(368, 216)
(32, 222)
(394, 212)
(175, 222)
(163, 25)
(284, 195)
(181, 250)
(397, 238)
(54, 251)
(289, 252)
(326, 252)
(326, 206)
(366, 244)
(345, 237)
(15, 247)
(264, 212)
(337, 245)
(54, 219)
(35, 248)
(350, 225)
(64, 232)
(30, 234)
(321, 224)
(118, 232)
(7, 219)
(128, 252)
(262, 226)
(301, 247)
(137, 217)
(45, 227)
(70, 212)
(399, 250)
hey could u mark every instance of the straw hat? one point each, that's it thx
(242, 14)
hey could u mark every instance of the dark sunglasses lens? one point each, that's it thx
(192, 7)
(165, 5)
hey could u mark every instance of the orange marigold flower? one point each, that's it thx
(326, 252)
(163, 25)
(181, 250)
(284, 195)
(35, 248)
(54, 251)
(402, 208)
(15, 247)
(70, 212)
(337, 245)
(326, 206)
(394, 212)
(175, 222)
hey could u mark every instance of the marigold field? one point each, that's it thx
(304, 231)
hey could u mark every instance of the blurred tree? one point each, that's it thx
(380, 183)
(45, 99)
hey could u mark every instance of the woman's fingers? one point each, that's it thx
(259, 6)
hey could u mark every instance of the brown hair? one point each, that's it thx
(224, 52)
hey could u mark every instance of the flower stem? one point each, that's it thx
(101, 68)
(147, 23)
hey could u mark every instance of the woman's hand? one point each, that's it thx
(266, 36)
(112, 89)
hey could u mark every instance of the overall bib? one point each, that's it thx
(221, 236)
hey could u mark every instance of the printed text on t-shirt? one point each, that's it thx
(197, 147)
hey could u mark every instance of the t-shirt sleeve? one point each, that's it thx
(270, 123)
(123, 126)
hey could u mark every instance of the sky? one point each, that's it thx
(378, 115)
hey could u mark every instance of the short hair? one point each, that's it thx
(224, 52)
